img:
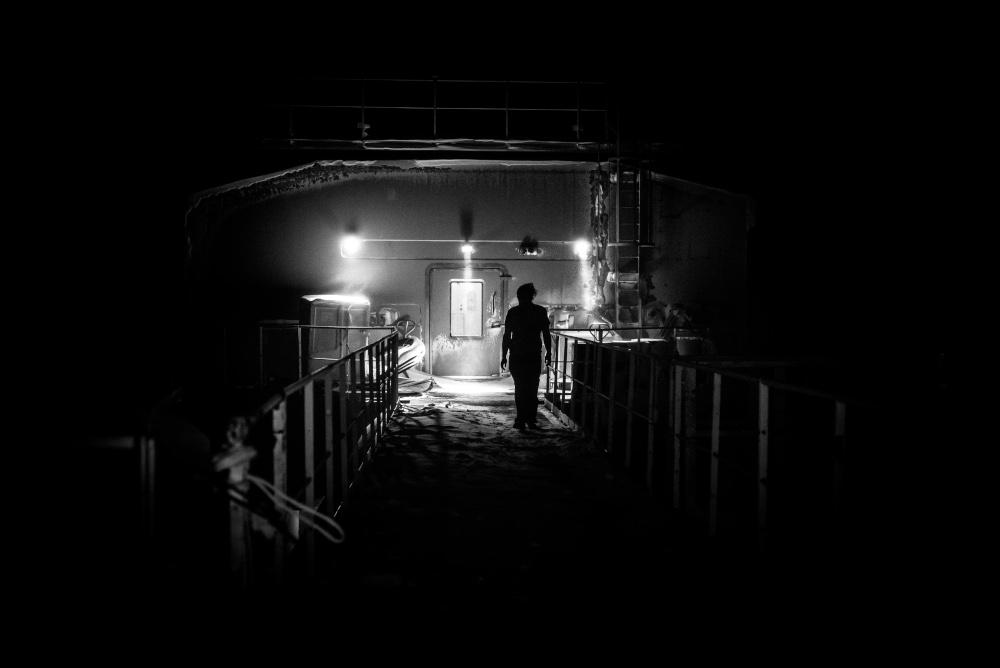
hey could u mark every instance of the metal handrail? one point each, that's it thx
(592, 385)
(471, 81)
(320, 373)
(401, 107)
(263, 325)
(290, 325)
(684, 397)
(589, 402)
(431, 86)
(776, 384)
(602, 333)
(358, 394)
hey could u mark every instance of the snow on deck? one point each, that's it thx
(459, 507)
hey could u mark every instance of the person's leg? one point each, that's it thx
(530, 411)
(520, 382)
(526, 381)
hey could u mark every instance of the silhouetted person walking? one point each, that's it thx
(526, 327)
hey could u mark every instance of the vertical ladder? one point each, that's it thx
(628, 217)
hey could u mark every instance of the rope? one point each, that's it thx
(285, 502)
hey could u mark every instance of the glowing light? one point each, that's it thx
(342, 299)
(350, 245)
(468, 249)
(581, 248)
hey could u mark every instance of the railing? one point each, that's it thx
(661, 416)
(374, 112)
(302, 347)
(585, 376)
(774, 439)
(321, 430)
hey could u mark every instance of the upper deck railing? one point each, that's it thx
(433, 113)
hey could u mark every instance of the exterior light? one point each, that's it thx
(340, 299)
(529, 246)
(467, 249)
(350, 245)
(581, 248)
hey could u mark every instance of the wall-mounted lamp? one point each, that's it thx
(350, 245)
(467, 249)
(581, 248)
(529, 246)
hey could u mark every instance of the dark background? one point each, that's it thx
(833, 127)
(815, 125)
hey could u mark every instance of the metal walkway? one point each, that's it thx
(459, 508)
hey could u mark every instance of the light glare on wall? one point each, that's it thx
(581, 247)
(350, 245)
(342, 299)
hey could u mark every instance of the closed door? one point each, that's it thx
(466, 318)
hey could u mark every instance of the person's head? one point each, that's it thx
(526, 293)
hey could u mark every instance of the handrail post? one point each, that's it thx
(612, 408)
(380, 386)
(302, 343)
(587, 378)
(651, 425)
(328, 451)
(597, 393)
(394, 376)
(361, 420)
(713, 498)
(549, 385)
(309, 466)
(371, 416)
(628, 412)
(763, 416)
(434, 113)
(576, 398)
(562, 402)
(678, 417)
(342, 430)
(280, 464)
(356, 409)
(147, 491)
(386, 385)
(690, 430)
(840, 452)
(506, 111)
(362, 381)
(239, 544)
